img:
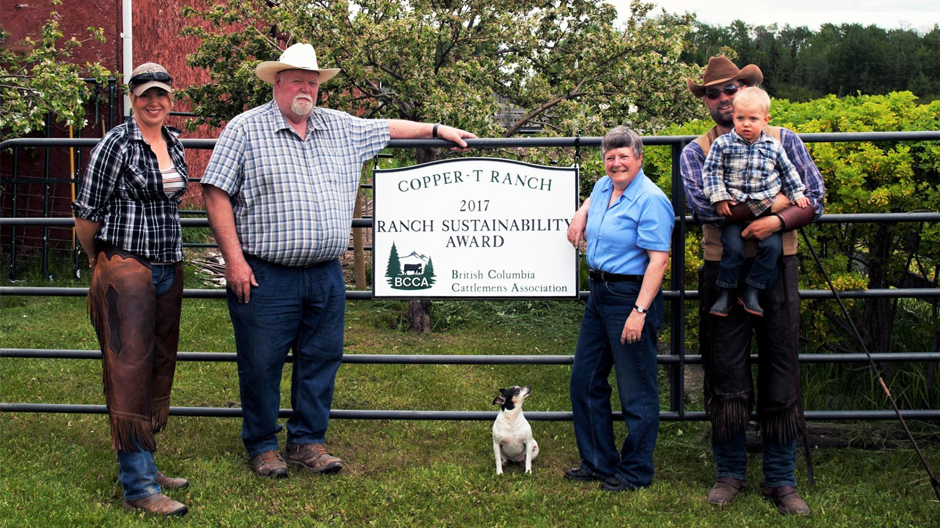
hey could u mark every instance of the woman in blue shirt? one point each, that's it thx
(627, 223)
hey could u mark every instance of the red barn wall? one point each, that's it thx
(156, 38)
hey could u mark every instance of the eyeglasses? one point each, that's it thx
(151, 76)
(728, 90)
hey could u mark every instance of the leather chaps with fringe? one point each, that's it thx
(725, 344)
(139, 337)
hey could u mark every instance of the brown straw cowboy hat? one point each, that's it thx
(297, 57)
(721, 70)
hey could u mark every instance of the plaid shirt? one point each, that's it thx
(693, 159)
(293, 198)
(752, 173)
(123, 190)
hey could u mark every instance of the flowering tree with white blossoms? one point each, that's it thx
(44, 80)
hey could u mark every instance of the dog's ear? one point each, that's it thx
(499, 400)
(502, 391)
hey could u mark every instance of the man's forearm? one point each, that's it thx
(222, 220)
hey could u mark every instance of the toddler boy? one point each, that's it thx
(748, 166)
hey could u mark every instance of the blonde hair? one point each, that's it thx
(752, 96)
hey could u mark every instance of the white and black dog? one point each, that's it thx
(512, 435)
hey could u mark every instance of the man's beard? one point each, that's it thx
(301, 105)
(720, 120)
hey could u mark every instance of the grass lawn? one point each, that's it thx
(57, 469)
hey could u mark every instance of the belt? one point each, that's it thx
(613, 277)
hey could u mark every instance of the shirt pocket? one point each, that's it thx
(342, 173)
(620, 233)
(766, 161)
(138, 181)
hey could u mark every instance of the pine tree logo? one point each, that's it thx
(411, 272)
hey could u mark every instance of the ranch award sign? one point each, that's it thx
(474, 228)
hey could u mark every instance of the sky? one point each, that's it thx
(920, 15)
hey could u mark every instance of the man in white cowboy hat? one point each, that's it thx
(279, 191)
(729, 394)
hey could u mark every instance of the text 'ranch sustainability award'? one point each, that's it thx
(474, 228)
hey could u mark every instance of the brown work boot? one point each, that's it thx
(787, 500)
(157, 504)
(269, 464)
(166, 482)
(724, 491)
(313, 457)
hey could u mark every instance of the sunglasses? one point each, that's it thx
(728, 90)
(151, 76)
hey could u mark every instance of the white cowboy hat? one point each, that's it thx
(297, 57)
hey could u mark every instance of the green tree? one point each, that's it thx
(43, 80)
(429, 271)
(393, 269)
(564, 64)
(847, 59)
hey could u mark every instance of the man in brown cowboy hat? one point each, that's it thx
(279, 191)
(729, 394)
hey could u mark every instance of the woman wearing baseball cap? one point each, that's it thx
(127, 220)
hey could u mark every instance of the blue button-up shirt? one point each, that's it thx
(619, 236)
(293, 197)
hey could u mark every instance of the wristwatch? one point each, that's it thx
(640, 309)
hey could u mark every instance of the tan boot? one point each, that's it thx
(724, 491)
(166, 482)
(787, 500)
(157, 504)
(269, 464)
(313, 457)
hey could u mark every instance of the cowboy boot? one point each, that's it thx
(724, 491)
(787, 500)
(166, 482)
(748, 299)
(157, 504)
(722, 304)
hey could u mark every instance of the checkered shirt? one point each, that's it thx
(123, 190)
(752, 173)
(293, 198)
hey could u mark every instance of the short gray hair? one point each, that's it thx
(622, 137)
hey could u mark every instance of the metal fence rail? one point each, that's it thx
(674, 362)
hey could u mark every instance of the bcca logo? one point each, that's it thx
(411, 272)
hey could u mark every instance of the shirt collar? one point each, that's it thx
(134, 133)
(737, 137)
(632, 190)
(280, 122)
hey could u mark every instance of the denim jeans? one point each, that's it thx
(138, 474)
(136, 471)
(763, 272)
(598, 350)
(779, 460)
(293, 308)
